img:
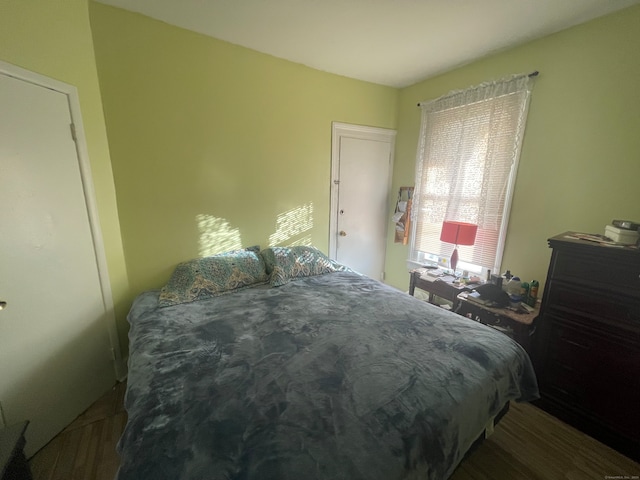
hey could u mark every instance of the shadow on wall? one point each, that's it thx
(216, 235)
(293, 226)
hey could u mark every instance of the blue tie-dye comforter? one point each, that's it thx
(328, 377)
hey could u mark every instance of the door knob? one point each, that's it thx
(343, 233)
(2, 305)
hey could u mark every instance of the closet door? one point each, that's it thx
(55, 351)
(362, 161)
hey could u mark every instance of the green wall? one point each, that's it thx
(212, 144)
(53, 38)
(580, 161)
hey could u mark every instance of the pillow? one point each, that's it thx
(286, 263)
(213, 276)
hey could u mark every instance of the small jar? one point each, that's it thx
(514, 287)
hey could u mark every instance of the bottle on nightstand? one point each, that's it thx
(533, 293)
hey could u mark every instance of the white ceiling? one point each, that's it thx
(389, 42)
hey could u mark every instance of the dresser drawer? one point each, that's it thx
(602, 271)
(593, 373)
(569, 349)
(617, 313)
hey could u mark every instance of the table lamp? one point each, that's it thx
(458, 233)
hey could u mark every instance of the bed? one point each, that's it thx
(282, 364)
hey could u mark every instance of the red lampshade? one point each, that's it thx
(458, 233)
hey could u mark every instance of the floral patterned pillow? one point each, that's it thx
(208, 277)
(286, 263)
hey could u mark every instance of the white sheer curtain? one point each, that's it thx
(465, 169)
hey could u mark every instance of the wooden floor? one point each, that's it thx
(86, 449)
(528, 444)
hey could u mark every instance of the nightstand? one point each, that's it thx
(435, 288)
(518, 326)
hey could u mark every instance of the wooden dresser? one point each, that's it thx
(586, 350)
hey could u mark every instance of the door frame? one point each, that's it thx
(82, 153)
(362, 132)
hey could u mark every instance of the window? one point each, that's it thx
(466, 165)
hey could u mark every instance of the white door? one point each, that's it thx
(361, 165)
(55, 349)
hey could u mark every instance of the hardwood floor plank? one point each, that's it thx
(84, 465)
(104, 407)
(109, 460)
(44, 462)
(68, 453)
(94, 466)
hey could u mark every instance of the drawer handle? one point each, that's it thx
(562, 391)
(575, 344)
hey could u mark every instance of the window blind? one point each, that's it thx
(465, 169)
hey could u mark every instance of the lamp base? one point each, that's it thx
(454, 259)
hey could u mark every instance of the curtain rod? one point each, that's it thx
(535, 73)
